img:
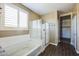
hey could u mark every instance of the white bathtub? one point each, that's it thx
(23, 47)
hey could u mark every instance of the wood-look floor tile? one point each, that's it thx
(63, 49)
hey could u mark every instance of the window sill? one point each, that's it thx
(12, 28)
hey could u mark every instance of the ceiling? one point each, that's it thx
(44, 8)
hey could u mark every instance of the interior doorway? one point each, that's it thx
(65, 28)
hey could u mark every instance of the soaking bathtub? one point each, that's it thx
(26, 47)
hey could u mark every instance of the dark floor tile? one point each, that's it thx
(63, 49)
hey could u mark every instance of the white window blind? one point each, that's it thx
(23, 19)
(15, 17)
(11, 16)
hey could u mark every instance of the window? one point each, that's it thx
(15, 17)
(23, 19)
(10, 16)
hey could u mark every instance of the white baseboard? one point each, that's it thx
(54, 44)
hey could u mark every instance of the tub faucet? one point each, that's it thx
(2, 51)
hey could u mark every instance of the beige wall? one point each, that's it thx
(52, 18)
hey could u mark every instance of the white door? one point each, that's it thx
(74, 30)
